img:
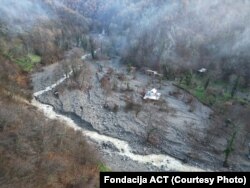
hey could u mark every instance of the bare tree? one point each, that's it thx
(92, 47)
(229, 149)
(106, 86)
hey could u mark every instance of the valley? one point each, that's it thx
(89, 86)
(160, 137)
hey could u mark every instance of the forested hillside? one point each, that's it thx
(35, 151)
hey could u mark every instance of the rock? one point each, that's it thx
(124, 158)
(110, 146)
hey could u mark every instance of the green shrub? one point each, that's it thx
(103, 168)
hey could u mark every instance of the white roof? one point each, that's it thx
(152, 94)
(202, 70)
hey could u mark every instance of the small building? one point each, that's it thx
(202, 70)
(153, 73)
(152, 95)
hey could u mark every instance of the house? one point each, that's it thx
(202, 70)
(153, 73)
(152, 95)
